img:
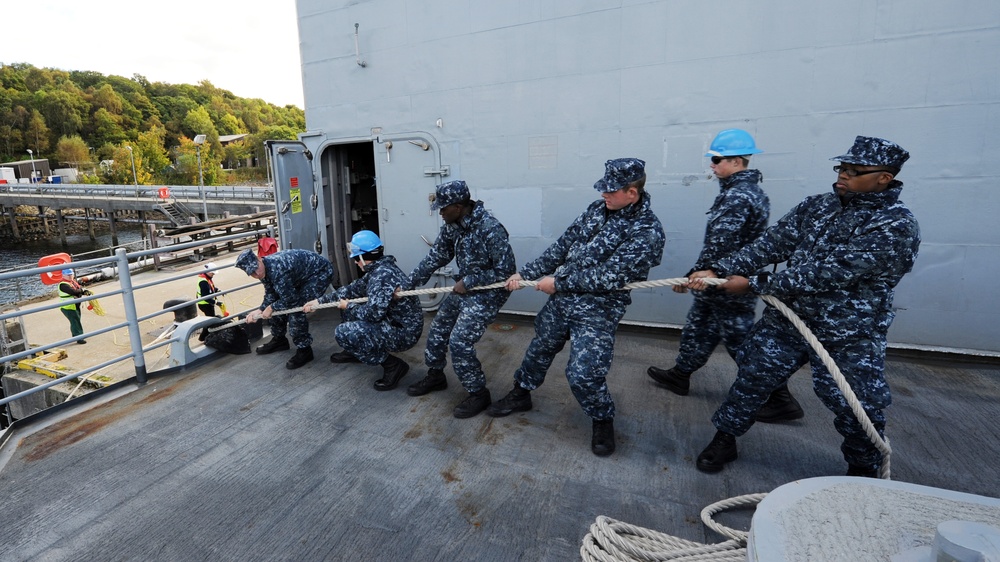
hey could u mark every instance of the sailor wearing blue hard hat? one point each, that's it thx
(371, 331)
(738, 216)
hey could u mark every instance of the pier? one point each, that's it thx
(167, 206)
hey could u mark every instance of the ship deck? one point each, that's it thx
(241, 459)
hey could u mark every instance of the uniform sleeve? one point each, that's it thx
(775, 245)
(441, 253)
(725, 232)
(555, 255)
(500, 254)
(630, 262)
(270, 296)
(886, 248)
(379, 291)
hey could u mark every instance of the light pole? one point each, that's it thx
(31, 157)
(135, 178)
(198, 141)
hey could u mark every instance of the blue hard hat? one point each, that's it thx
(364, 241)
(733, 142)
(67, 272)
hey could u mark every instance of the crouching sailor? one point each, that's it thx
(372, 329)
(290, 279)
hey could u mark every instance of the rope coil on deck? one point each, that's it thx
(614, 541)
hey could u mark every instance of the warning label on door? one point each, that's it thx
(296, 196)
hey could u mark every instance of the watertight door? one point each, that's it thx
(295, 196)
(409, 168)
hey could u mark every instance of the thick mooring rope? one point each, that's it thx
(435, 290)
(614, 541)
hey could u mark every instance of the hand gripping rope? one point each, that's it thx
(614, 541)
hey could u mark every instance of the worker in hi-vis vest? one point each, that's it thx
(69, 289)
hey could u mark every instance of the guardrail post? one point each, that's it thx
(132, 316)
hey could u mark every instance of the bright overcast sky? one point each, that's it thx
(249, 47)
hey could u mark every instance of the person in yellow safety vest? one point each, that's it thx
(69, 289)
(207, 287)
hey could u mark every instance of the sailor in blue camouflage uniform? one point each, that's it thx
(614, 242)
(479, 244)
(845, 252)
(290, 278)
(737, 217)
(372, 329)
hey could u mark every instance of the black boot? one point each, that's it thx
(780, 406)
(475, 403)
(603, 441)
(393, 369)
(276, 344)
(673, 379)
(517, 400)
(302, 356)
(720, 451)
(344, 357)
(435, 380)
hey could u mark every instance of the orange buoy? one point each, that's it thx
(53, 277)
(164, 193)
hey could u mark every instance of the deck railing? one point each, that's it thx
(123, 263)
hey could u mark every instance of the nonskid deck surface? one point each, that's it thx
(241, 459)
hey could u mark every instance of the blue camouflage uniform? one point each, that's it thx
(844, 257)
(291, 279)
(479, 244)
(737, 217)
(599, 253)
(372, 329)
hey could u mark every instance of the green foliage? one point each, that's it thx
(43, 109)
(72, 151)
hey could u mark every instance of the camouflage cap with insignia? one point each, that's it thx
(247, 262)
(873, 151)
(450, 193)
(620, 172)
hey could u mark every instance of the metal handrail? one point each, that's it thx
(126, 292)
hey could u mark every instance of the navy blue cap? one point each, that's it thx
(450, 193)
(873, 151)
(247, 262)
(620, 172)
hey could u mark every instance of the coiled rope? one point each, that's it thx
(614, 541)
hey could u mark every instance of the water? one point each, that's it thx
(24, 254)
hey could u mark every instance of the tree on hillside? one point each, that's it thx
(64, 110)
(155, 160)
(41, 106)
(107, 128)
(37, 133)
(74, 152)
(120, 169)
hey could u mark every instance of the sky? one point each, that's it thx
(249, 47)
